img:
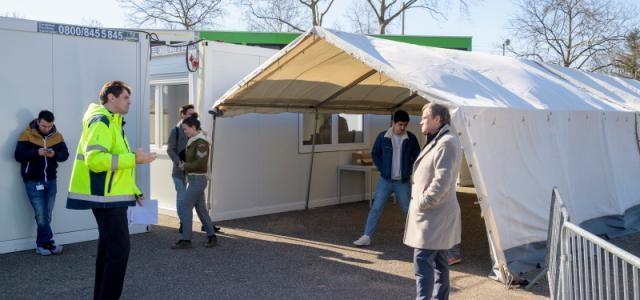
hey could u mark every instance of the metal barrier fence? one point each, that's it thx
(581, 265)
(557, 217)
(593, 268)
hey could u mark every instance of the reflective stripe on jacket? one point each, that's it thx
(103, 172)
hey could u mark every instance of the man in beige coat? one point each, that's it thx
(433, 222)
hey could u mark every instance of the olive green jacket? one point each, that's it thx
(197, 155)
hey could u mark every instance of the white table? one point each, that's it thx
(366, 174)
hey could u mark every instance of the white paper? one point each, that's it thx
(146, 214)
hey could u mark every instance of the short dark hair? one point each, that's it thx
(192, 121)
(184, 108)
(400, 116)
(439, 110)
(46, 115)
(115, 87)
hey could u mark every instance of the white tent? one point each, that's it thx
(525, 127)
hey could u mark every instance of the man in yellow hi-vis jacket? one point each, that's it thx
(103, 180)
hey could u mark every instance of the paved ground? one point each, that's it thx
(295, 255)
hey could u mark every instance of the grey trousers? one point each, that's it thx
(194, 197)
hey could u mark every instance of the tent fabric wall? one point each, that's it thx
(520, 155)
(525, 126)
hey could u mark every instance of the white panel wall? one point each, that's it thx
(167, 67)
(257, 167)
(62, 74)
(28, 57)
(258, 170)
(79, 72)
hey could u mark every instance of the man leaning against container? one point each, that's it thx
(103, 180)
(39, 149)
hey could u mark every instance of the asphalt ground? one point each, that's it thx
(293, 255)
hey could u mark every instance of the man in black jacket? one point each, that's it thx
(40, 147)
(175, 146)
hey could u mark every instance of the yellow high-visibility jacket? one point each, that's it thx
(103, 172)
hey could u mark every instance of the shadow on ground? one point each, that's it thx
(294, 255)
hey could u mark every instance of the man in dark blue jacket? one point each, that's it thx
(393, 153)
(40, 147)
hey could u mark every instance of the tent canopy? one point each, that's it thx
(525, 126)
(343, 72)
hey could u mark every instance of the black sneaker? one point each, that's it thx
(212, 241)
(215, 228)
(182, 244)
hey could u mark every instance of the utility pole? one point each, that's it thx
(403, 10)
(506, 42)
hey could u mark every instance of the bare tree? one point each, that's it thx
(386, 11)
(627, 62)
(581, 34)
(183, 14)
(362, 18)
(14, 14)
(317, 13)
(274, 15)
(91, 22)
(285, 15)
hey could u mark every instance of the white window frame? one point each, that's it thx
(159, 83)
(334, 146)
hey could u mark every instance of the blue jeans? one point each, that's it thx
(42, 196)
(383, 191)
(455, 251)
(432, 272)
(181, 190)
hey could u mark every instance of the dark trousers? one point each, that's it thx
(113, 252)
(432, 274)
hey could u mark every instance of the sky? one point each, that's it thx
(487, 21)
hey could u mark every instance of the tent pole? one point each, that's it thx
(313, 154)
(404, 101)
(348, 87)
(315, 126)
(209, 204)
(636, 127)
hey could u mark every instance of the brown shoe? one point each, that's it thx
(212, 241)
(454, 260)
(182, 244)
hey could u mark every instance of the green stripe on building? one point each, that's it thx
(281, 39)
(249, 38)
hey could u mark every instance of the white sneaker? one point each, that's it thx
(43, 251)
(364, 240)
(55, 249)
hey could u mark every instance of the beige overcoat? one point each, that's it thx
(433, 220)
